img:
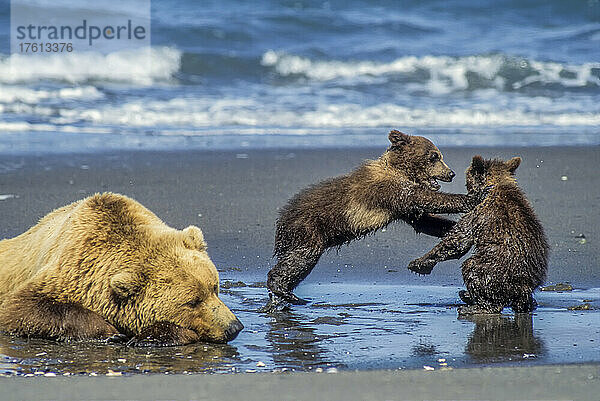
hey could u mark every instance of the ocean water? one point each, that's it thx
(318, 73)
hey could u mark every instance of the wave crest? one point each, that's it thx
(443, 74)
(139, 67)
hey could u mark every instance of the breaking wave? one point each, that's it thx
(442, 74)
(139, 67)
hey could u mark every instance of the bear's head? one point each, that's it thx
(418, 159)
(175, 283)
(483, 173)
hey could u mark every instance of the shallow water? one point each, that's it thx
(345, 327)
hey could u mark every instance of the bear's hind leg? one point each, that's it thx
(466, 297)
(524, 304)
(289, 271)
(32, 314)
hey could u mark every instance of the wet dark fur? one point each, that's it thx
(401, 184)
(511, 253)
(48, 318)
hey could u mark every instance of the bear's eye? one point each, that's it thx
(434, 157)
(193, 303)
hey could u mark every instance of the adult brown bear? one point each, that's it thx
(106, 267)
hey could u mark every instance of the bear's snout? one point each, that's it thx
(446, 176)
(233, 330)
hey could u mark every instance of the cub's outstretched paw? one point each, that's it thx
(481, 195)
(421, 266)
(475, 198)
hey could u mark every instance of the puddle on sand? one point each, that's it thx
(346, 326)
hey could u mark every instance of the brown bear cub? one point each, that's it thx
(106, 268)
(400, 185)
(511, 252)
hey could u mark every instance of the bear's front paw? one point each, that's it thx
(163, 334)
(421, 266)
(481, 195)
(117, 338)
(475, 198)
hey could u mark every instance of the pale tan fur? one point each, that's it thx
(366, 217)
(440, 168)
(107, 248)
(360, 215)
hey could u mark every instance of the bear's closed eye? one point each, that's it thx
(193, 303)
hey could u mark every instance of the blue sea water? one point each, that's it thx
(319, 73)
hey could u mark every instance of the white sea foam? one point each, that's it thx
(188, 114)
(16, 93)
(22, 126)
(139, 67)
(445, 73)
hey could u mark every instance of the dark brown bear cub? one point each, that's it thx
(401, 184)
(511, 252)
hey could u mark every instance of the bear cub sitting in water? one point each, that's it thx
(400, 185)
(511, 252)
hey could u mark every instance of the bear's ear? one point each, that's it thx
(478, 165)
(398, 138)
(125, 284)
(193, 239)
(513, 163)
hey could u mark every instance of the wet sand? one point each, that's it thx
(580, 383)
(367, 312)
(234, 198)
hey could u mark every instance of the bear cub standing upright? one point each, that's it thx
(511, 252)
(401, 184)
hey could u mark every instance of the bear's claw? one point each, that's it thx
(117, 338)
(421, 267)
(281, 302)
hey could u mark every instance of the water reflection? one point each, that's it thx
(499, 338)
(423, 349)
(23, 356)
(294, 343)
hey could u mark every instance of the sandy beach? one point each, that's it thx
(368, 312)
(234, 197)
(580, 383)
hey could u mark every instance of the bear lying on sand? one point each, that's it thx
(401, 184)
(511, 252)
(106, 268)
